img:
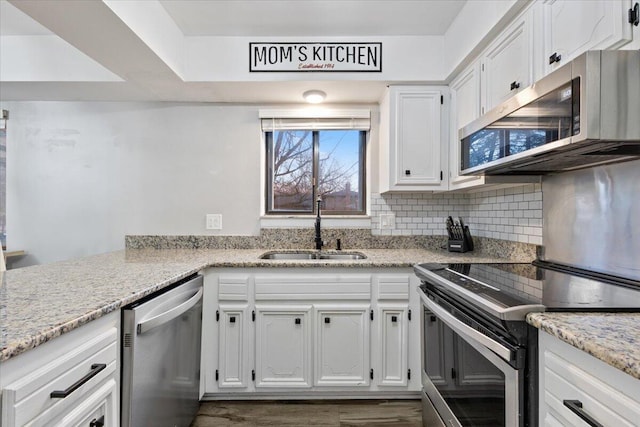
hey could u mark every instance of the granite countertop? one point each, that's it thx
(611, 337)
(42, 302)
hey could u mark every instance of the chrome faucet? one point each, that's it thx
(318, 238)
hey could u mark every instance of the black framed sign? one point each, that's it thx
(315, 56)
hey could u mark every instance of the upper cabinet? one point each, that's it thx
(411, 154)
(575, 26)
(465, 107)
(506, 64)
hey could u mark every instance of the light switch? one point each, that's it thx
(214, 221)
(387, 221)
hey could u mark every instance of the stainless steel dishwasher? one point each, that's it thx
(161, 357)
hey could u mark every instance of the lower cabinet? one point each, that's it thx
(342, 346)
(574, 385)
(283, 346)
(293, 332)
(70, 381)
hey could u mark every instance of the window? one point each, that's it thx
(303, 164)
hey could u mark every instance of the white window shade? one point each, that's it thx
(273, 120)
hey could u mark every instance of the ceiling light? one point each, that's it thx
(314, 96)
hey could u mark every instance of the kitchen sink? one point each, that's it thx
(313, 255)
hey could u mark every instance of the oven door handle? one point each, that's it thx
(462, 329)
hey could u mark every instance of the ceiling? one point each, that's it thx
(310, 19)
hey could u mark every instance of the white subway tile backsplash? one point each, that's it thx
(510, 214)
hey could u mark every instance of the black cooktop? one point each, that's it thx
(557, 288)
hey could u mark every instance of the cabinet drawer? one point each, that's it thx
(99, 406)
(305, 287)
(85, 366)
(603, 395)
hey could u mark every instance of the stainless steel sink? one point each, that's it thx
(313, 255)
(345, 256)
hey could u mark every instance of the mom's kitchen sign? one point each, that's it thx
(316, 56)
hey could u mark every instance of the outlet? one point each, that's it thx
(387, 221)
(214, 221)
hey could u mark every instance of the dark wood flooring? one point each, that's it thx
(400, 413)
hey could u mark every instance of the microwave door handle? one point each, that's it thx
(168, 315)
(464, 330)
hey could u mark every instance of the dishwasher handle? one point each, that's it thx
(147, 325)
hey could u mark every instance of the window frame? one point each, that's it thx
(362, 156)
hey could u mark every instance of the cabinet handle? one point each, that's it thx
(232, 319)
(407, 171)
(298, 321)
(327, 320)
(555, 58)
(432, 318)
(515, 85)
(394, 319)
(95, 370)
(576, 407)
(99, 422)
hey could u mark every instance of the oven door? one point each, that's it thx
(466, 378)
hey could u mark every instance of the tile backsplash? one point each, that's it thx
(513, 213)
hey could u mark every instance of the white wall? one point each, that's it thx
(81, 175)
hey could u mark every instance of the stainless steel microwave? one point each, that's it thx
(582, 114)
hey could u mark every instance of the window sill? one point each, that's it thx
(297, 221)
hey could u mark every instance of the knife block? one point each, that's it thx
(464, 245)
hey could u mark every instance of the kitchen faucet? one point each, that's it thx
(318, 238)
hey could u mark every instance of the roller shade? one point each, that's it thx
(272, 120)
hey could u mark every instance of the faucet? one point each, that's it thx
(318, 238)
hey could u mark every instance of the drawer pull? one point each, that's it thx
(95, 370)
(97, 422)
(576, 407)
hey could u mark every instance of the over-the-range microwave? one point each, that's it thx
(583, 114)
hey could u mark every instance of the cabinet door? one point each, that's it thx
(342, 346)
(418, 137)
(411, 154)
(283, 346)
(506, 66)
(465, 107)
(233, 348)
(394, 340)
(575, 26)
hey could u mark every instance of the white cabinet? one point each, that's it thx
(569, 375)
(342, 345)
(507, 64)
(291, 332)
(411, 154)
(394, 344)
(234, 345)
(70, 381)
(465, 107)
(283, 345)
(575, 26)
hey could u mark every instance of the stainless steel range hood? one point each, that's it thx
(583, 114)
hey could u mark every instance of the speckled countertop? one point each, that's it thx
(42, 302)
(611, 337)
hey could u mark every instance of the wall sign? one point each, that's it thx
(316, 56)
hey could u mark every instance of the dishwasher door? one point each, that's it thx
(161, 357)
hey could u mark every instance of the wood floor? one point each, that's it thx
(401, 413)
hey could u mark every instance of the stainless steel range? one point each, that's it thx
(479, 356)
